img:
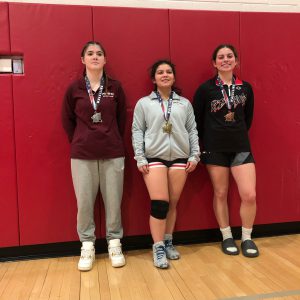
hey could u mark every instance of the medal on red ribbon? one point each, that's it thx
(229, 117)
(167, 128)
(96, 117)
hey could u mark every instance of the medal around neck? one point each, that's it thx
(229, 117)
(96, 117)
(167, 128)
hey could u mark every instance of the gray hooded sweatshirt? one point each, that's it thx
(148, 138)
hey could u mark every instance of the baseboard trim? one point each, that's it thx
(141, 242)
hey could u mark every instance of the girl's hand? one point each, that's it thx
(144, 169)
(190, 166)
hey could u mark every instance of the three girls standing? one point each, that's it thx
(165, 142)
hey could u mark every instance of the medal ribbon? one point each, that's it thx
(228, 101)
(94, 103)
(170, 102)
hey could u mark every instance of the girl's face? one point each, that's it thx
(225, 60)
(93, 59)
(164, 76)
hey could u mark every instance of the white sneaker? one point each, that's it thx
(115, 253)
(87, 257)
(171, 251)
(159, 255)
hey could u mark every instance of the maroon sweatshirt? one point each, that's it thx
(94, 140)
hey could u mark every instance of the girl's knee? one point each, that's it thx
(172, 206)
(249, 198)
(220, 195)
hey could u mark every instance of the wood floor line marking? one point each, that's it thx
(265, 296)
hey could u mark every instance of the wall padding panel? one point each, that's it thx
(8, 189)
(193, 37)
(50, 38)
(4, 29)
(270, 61)
(134, 39)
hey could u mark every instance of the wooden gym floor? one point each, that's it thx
(203, 272)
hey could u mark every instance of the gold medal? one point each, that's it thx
(229, 117)
(167, 128)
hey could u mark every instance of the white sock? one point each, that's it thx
(246, 234)
(226, 233)
(160, 243)
(168, 236)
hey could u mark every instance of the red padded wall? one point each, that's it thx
(193, 37)
(270, 61)
(134, 39)
(51, 38)
(9, 226)
(4, 29)
(8, 189)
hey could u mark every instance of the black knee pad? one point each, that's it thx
(159, 209)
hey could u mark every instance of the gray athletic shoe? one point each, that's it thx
(159, 255)
(171, 251)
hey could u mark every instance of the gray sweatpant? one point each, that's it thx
(88, 176)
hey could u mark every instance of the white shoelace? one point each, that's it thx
(114, 251)
(86, 254)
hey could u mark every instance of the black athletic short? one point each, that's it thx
(179, 163)
(227, 159)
